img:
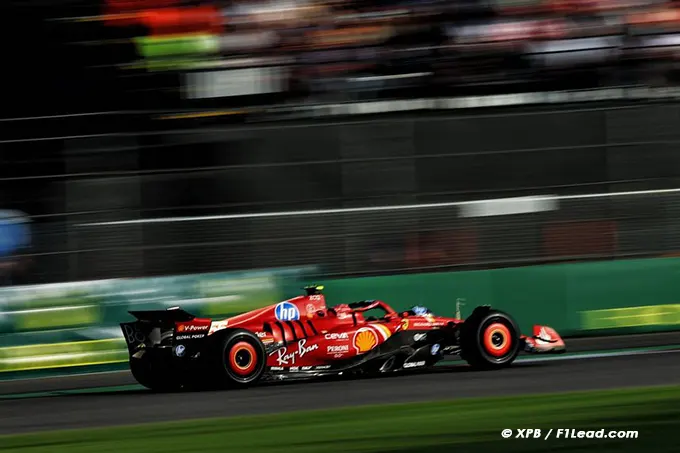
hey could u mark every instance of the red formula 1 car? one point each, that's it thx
(302, 338)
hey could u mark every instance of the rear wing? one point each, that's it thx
(152, 327)
(171, 315)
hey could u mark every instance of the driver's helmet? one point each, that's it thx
(419, 310)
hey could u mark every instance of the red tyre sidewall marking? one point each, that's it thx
(239, 347)
(497, 351)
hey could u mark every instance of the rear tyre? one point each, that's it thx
(240, 358)
(489, 339)
(148, 374)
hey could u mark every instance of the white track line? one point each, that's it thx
(594, 355)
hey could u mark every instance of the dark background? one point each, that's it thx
(79, 171)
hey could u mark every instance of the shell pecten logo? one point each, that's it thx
(368, 338)
(365, 340)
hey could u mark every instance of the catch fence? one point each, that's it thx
(354, 197)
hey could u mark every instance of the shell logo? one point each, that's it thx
(404, 324)
(365, 340)
(368, 338)
(180, 328)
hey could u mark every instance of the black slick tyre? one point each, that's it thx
(489, 339)
(151, 376)
(239, 359)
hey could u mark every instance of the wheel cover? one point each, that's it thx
(497, 339)
(242, 358)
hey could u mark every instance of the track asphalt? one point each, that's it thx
(48, 409)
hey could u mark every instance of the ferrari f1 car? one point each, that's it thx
(303, 338)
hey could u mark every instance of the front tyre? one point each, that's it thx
(490, 339)
(241, 358)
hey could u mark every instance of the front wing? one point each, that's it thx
(544, 340)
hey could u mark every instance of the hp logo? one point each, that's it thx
(285, 311)
(179, 350)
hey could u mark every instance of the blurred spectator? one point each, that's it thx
(267, 51)
(15, 238)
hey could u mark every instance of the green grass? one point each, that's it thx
(464, 425)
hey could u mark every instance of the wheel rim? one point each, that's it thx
(242, 358)
(497, 339)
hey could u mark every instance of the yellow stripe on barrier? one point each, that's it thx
(650, 315)
(52, 367)
(64, 343)
(61, 355)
